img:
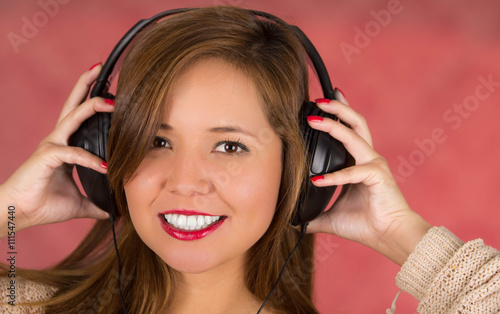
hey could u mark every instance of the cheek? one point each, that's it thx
(141, 191)
(253, 193)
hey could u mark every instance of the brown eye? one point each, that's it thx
(230, 147)
(159, 141)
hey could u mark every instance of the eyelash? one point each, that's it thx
(156, 138)
(237, 143)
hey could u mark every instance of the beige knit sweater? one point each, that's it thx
(448, 276)
(443, 273)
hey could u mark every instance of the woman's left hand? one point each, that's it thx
(372, 210)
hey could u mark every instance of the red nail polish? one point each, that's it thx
(340, 92)
(314, 118)
(94, 66)
(110, 102)
(322, 101)
(104, 165)
(317, 178)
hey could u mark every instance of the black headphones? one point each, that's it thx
(325, 154)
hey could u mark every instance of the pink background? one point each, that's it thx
(407, 77)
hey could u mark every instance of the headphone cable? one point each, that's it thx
(303, 232)
(112, 219)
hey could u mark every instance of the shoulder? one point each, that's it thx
(17, 290)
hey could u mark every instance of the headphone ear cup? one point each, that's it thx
(324, 155)
(93, 136)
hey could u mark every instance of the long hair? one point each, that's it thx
(272, 56)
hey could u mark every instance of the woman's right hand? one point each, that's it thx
(42, 189)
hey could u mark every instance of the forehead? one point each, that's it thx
(213, 91)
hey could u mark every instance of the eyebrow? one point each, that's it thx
(165, 127)
(220, 129)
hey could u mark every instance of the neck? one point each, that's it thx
(219, 290)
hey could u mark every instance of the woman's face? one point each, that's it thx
(214, 166)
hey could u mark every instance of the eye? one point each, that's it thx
(231, 147)
(159, 141)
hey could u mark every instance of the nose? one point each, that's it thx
(188, 175)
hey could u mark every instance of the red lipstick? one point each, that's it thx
(188, 235)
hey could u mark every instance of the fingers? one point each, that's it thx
(54, 156)
(346, 114)
(54, 149)
(80, 91)
(370, 173)
(358, 147)
(77, 116)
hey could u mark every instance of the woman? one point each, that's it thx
(205, 125)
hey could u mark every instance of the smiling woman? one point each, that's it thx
(207, 161)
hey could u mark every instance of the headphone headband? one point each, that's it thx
(103, 81)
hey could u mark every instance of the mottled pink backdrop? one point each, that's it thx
(415, 69)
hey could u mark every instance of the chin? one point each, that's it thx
(193, 260)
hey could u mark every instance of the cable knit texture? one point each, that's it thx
(448, 276)
(26, 291)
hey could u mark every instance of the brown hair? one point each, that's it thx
(270, 54)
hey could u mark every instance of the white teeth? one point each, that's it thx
(181, 221)
(200, 221)
(193, 222)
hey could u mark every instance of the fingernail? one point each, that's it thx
(104, 165)
(314, 118)
(110, 102)
(94, 66)
(322, 101)
(338, 89)
(317, 178)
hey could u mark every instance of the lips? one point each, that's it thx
(189, 225)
